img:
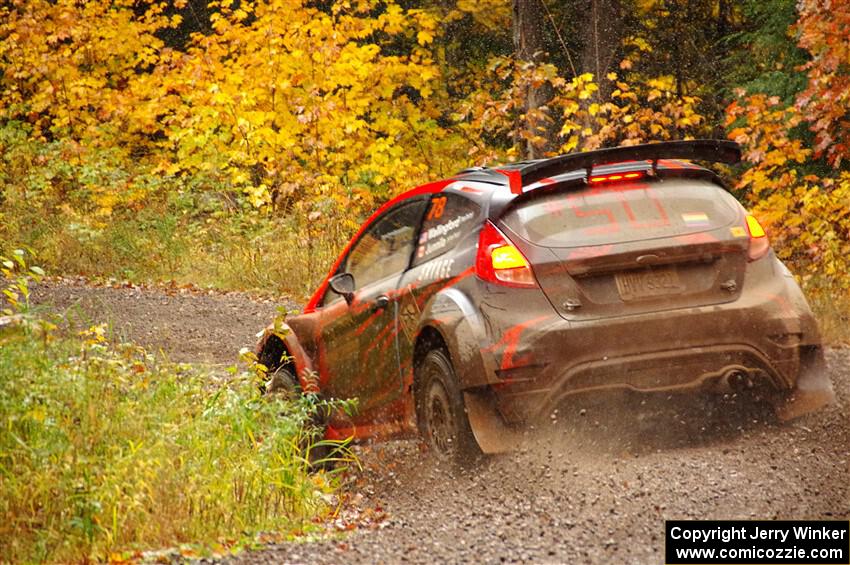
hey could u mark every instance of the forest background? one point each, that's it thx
(238, 144)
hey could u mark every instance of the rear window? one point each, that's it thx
(622, 213)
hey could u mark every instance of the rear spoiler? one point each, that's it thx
(713, 150)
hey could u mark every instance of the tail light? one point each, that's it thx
(614, 178)
(500, 262)
(759, 244)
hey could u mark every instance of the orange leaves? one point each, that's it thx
(808, 216)
(762, 126)
(823, 30)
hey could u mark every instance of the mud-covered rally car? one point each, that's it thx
(472, 306)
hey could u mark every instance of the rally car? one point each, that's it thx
(470, 307)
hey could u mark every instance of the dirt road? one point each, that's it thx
(188, 325)
(594, 486)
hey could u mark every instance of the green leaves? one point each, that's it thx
(107, 448)
(16, 276)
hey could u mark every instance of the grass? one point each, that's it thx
(831, 306)
(167, 241)
(108, 450)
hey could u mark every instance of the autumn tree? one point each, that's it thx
(600, 24)
(291, 101)
(824, 29)
(806, 205)
(529, 24)
(300, 109)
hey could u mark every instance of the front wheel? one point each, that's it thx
(283, 381)
(318, 453)
(440, 410)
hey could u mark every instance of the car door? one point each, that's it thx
(359, 342)
(446, 230)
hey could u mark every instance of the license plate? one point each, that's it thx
(646, 284)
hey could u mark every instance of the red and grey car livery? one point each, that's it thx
(476, 304)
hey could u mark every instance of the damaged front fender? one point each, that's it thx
(279, 346)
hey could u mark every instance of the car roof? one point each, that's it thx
(495, 187)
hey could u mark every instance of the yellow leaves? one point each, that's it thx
(586, 89)
(494, 15)
(298, 93)
(77, 62)
(93, 335)
(258, 196)
(810, 222)
(640, 43)
(424, 37)
(392, 21)
(634, 113)
(105, 202)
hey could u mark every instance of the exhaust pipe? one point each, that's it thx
(739, 380)
(735, 379)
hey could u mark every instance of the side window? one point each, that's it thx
(449, 218)
(385, 248)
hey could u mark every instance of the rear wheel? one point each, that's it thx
(440, 410)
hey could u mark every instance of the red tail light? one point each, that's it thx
(759, 244)
(500, 262)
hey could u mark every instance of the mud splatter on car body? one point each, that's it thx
(477, 304)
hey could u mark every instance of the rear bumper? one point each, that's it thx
(711, 368)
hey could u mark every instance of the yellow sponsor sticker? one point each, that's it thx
(738, 231)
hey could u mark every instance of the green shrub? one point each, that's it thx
(107, 449)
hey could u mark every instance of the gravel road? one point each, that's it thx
(186, 324)
(597, 485)
(594, 486)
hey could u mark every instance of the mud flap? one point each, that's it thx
(488, 427)
(813, 391)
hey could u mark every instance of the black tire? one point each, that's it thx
(440, 410)
(283, 381)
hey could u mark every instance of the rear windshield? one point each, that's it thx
(622, 213)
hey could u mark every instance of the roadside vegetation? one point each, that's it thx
(106, 450)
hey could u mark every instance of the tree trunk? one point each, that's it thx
(601, 32)
(530, 23)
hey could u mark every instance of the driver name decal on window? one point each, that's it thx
(440, 237)
(449, 218)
